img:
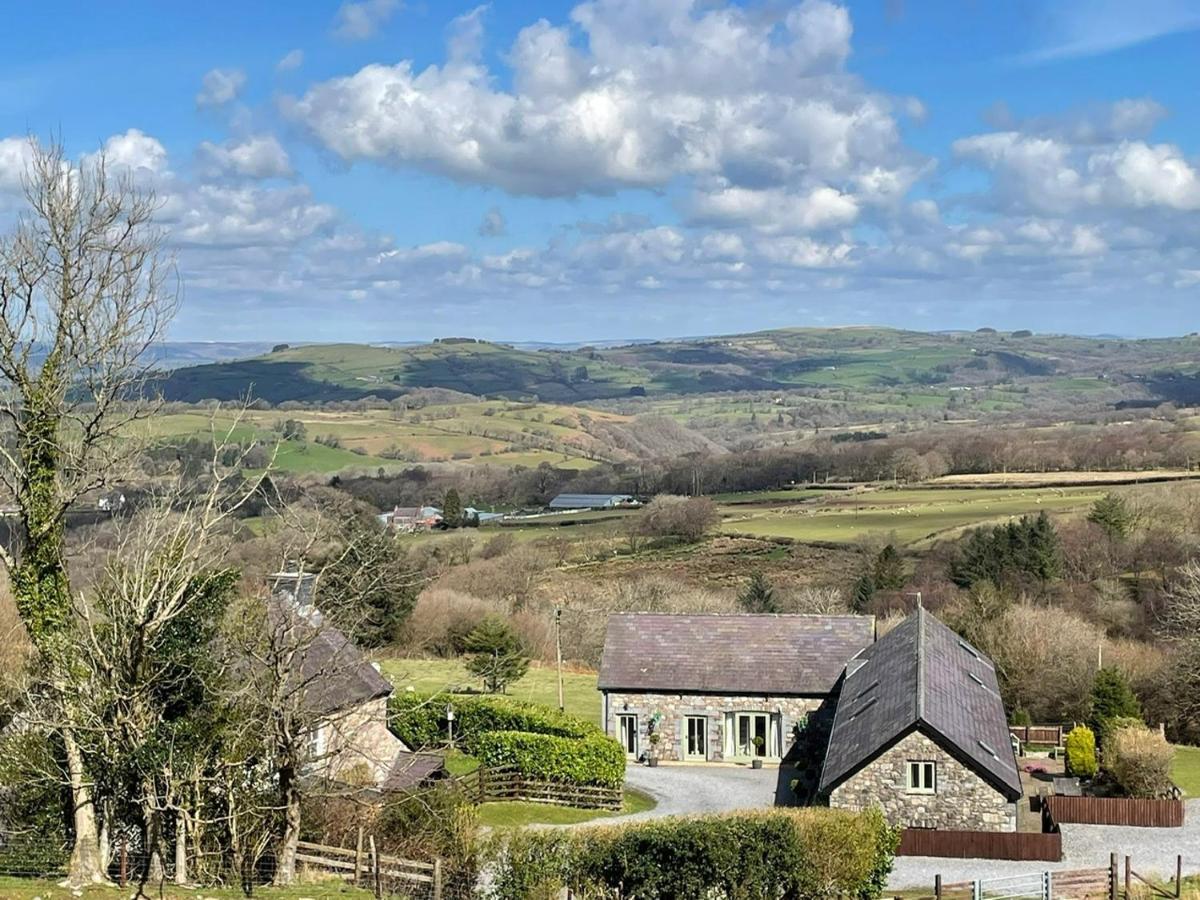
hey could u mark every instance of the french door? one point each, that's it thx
(696, 746)
(627, 734)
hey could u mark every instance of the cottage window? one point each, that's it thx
(316, 741)
(697, 738)
(751, 734)
(922, 777)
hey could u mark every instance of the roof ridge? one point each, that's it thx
(921, 663)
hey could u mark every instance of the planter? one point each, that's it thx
(756, 763)
(652, 762)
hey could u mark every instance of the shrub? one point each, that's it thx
(497, 656)
(1080, 745)
(804, 854)
(1112, 697)
(420, 719)
(1108, 727)
(1139, 760)
(593, 760)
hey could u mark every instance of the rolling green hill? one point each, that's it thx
(799, 359)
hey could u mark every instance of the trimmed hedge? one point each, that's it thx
(592, 760)
(811, 854)
(420, 719)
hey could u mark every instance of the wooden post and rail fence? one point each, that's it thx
(507, 783)
(365, 866)
(1078, 884)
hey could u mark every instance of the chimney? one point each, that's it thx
(293, 584)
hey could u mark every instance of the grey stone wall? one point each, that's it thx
(674, 708)
(962, 802)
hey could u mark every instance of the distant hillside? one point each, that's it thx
(854, 359)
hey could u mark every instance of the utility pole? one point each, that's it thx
(558, 653)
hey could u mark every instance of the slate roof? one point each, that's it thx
(587, 501)
(411, 770)
(922, 676)
(730, 654)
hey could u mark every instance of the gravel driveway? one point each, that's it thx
(683, 790)
(1153, 851)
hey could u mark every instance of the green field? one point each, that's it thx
(580, 696)
(518, 814)
(913, 514)
(1185, 771)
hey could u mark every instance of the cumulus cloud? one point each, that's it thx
(260, 156)
(15, 156)
(627, 95)
(358, 20)
(220, 86)
(290, 61)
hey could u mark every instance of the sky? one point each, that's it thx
(380, 170)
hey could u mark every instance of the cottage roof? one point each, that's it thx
(922, 676)
(336, 674)
(730, 654)
(411, 770)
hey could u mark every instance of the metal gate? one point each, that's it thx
(1013, 887)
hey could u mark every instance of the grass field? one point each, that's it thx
(1046, 479)
(33, 889)
(1185, 771)
(518, 814)
(913, 514)
(539, 685)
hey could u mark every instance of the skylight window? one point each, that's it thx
(988, 749)
(968, 648)
(870, 687)
(975, 678)
(864, 707)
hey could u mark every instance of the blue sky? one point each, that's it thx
(379, 170)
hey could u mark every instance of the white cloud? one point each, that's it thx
(290, 61)
(629, 95)
(358, 20)
(1074, 28)
(15, 156)
(220, 86)
(136, 152)
(260, 156)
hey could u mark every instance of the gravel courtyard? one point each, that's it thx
(683, 790)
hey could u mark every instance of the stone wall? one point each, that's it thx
(962, 802)
(359, 737)
(674, 708)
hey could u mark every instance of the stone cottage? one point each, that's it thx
(721, 687)
(920, 732)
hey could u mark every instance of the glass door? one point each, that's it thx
(627, 731)
(753, 734)
(697, 738)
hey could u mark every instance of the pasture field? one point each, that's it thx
(484, 432)
(1048, 479)
(1185, 770)
(913, 514)
(580, 696)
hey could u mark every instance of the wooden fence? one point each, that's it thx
(1038, 734)
(506, 783)
(363, 865)
(1115, 811)
(981, 844)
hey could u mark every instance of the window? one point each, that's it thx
(751, 734)
(627, 728)
(316, 741)
(922, 777)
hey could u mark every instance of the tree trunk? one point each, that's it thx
(180, 848)
(285, 863)
(85, 865)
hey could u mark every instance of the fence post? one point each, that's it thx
(358, 848)
(1128, 880)
(124, 861)
(937, 887)
(1179, 875)
(437, 878)
(1112, 876)
(375, 866)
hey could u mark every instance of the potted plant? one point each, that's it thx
(652, 760)
(759, 743)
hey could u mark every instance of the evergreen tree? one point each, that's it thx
(369, 587)
(1113, 515)
(452, 509)
(1112, 698)
(1028, 547)
(864, 592)
(759, 596)
(496, 655)
(888, 571)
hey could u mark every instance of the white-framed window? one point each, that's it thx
(316, 741)
(922, 777)
(752, 734)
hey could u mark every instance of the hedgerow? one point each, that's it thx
(592, 760)
(420, 719)
(802, 854)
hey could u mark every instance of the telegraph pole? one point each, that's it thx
(558, 653)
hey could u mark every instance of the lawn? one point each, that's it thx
(580, 696)
(1185, 771)
(31, 889)
(913, 514)
(518, 814)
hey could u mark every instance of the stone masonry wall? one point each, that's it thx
(360, 737)
(962, 802)
(673, 709)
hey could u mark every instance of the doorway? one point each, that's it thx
(696, 739)
(627, 734)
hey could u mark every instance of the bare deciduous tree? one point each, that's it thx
(85, 292)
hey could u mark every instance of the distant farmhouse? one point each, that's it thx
(918, 727)
(409, 519)
(591, 501)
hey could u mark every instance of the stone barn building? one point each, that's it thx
(721, 687)
(920, 732)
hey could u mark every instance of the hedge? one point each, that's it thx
(811, 854)
(420, 719)
(592, 760)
